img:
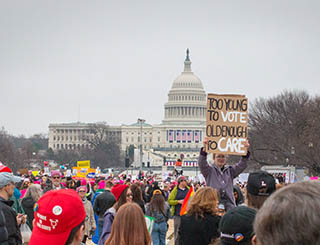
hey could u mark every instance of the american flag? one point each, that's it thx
(196, 136)
(178, 136)
(189, 136)
(183, 135)
(170, 136)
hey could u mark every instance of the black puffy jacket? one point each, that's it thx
(14, 234)
(3, 230)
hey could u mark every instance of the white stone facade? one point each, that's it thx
(181, 131)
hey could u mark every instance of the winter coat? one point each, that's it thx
(14, 234)
(107, 225)
(27, 204)
(103, 202)
(90, 222)
(172, 201)
(240, 199)
(3, 230)
(201, 231)
(222, 179)
(158, 215)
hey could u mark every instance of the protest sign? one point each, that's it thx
(83, 164)
(227, 124)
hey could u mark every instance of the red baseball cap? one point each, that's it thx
(55, 214)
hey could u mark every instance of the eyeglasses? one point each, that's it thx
(56, 177)
(129, 195)
(82, 191)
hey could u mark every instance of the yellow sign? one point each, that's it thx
(83, 164)
(35, 173)
(82, 172)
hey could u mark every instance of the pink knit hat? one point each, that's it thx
(83, 182)
(102, 184)
(81, 187)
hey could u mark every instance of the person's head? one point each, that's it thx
(220, 159)
(259, 187)
(59, 217)
(129, 227)
(236, 226)
(7, 184)
(157, 201)
(82, 191)
(56, 178)
(25, 184)
(136, 192)
(205, 200)
(122, 193)
(44, 178)
(166, 187)
(290, 216)
(182, 182)
(109, 185)
(34, 191)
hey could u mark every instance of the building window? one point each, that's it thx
(58, 138)
(127, 139)
(150, 139)
(54, 137)
(145, 140)
(158, 139)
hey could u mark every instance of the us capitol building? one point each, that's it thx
(181, 131)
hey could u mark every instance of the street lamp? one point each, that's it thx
(141, 121)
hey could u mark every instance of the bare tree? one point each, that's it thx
(104, 149)
(282, 130)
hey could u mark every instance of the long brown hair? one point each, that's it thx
(205, 200)
(129, 227)
(136, 192)
(157, 203)
(122, 200)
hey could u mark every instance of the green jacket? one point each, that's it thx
(172, 199)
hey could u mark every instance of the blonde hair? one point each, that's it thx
(34, 191)
(205, 200)
(129, 227)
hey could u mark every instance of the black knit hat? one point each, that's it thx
(261, 183)
(236, 226)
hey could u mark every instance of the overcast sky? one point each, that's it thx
(117, 60)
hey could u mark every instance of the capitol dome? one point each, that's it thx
(186, 99)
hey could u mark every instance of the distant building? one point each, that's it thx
(181, 131)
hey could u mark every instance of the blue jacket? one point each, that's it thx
(107, 225)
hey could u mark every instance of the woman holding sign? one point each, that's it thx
(220, 176)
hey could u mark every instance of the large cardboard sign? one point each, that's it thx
(227, 124)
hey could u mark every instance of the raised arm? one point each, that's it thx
(242, 164)
(205, 168)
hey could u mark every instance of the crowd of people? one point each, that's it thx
(113, 209)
